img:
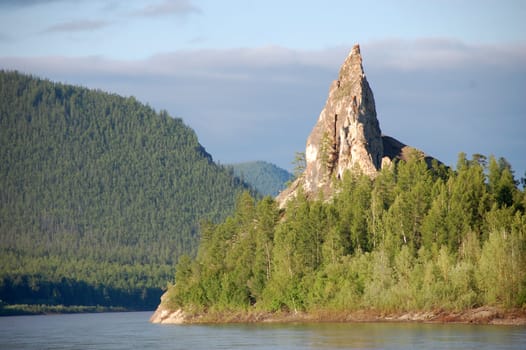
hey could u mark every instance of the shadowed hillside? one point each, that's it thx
(99, 195)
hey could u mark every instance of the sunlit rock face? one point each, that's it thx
(347, 134)
(347, 137)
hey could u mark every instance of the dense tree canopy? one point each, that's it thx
(99, 194)
(414, 238)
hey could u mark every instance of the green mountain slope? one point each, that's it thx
(99, 195)
(268, 179)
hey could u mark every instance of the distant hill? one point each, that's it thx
(99, 195)
(266, 178)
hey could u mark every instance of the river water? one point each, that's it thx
(132, 330)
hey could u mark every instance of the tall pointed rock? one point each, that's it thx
(346, 136)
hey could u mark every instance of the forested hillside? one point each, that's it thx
(268, 179)
(99, 195)
(412, 239)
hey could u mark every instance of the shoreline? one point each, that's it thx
(485, 315)
(43, 309)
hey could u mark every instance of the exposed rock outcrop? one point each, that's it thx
(165, 315)
(394, 149)
(346, 136)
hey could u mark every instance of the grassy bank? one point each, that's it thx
(32, 309)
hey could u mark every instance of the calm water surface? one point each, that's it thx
(132, 331)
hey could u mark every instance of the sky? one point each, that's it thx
(251, 77)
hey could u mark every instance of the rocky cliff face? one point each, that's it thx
(346, 136)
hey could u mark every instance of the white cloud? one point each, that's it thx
(441, 53)
(77, 26)
(168, 7)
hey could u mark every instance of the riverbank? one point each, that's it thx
(34, 309)
(481, 315)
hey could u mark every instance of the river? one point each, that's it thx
(112, 331)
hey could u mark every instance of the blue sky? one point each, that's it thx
(251, 77)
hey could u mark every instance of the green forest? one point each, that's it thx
(268, 179)
(99, 195)
(414, 238)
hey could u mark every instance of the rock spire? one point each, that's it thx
(347, 134)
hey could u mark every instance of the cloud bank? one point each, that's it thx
(168, 7)
(25, 3)
(439, 95)
(77, 26)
